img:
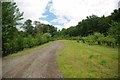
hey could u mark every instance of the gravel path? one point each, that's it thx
(37, 64)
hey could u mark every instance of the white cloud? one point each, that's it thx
(75, 10)
(32, 9)
(45, 22)
(59, 27)
(79, 9)
(60, 20)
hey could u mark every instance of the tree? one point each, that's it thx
(116, 15)
(114, 31)
(38, 27)
(28, 28)
(88, 26)
(52, 30)
(41, 28)
(10, 16)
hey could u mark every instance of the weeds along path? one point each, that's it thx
(37, 64)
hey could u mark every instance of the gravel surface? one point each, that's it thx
(37, 64)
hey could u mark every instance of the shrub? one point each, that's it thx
(48, 36)
(89, 39)
(18, 43)
(100, 39)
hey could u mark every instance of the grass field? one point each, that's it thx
(78, 60)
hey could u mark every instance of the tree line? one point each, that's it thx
(92, 30)
(14, 40)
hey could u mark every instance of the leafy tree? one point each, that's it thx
(103, 25)
(10, 16)
(71, 31)
(28, 28)
(115, 15)
(38, 27)
(44, 28)
(52, 30)
(114, 31)
(88, 26)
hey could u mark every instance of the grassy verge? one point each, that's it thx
(26, 51)
(78, 60)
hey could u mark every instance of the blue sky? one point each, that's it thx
(50, 16)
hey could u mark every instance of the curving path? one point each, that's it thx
(37, 64)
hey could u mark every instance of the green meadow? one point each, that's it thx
(79, 60)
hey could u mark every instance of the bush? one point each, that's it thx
(114, 30)
(100, 39)
(48, 36)
(18, 43)
(89, 39)
(13, 45)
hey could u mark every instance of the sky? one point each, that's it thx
(119, 4)
(64, 13)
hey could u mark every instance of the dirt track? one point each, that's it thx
(37, 64)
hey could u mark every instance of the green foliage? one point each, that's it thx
(97, 35)
(27, 26)
(47, 35)
(92, 24)
(89, 39)
(100, 39)
(114, 30)
(41, 28)
(14, 40)
(104, 26)
(92, 30)
(10, 16)
(18, 43)
(115, 16)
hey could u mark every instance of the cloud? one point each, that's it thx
(65, 13)
(59, 27)
(77, 10)
(32, 9)
(45, 22)
(60, 20)
(82, 8)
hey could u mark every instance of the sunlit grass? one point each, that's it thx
(78, 60)
(28, 50)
